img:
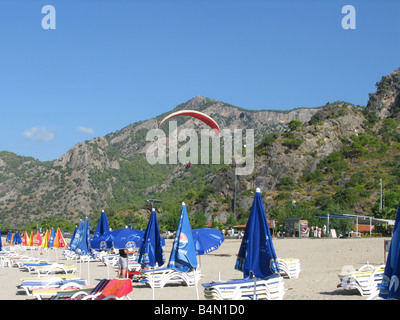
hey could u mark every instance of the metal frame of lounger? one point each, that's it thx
(271, 288)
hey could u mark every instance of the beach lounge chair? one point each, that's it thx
(366, 280)
(53, 268)
(69, 254)
(271, 288)
(114, 289)
(110, 259)
(162, 276)
(43, 278)
(289, 267)
(66, 290)
(29, 285)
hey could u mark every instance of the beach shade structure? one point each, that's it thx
(83, 244)
(125, 238)
(74, 239)
(37, 241)
(83, 247)
(207, 240)
(102, 226)
(257, 257)
(151, 252)
(25, 239)
(59, 241)
(183, 255)
(52, 235)
(17, 238)
(9, 237)
(31, 239)
(390, 286)
(45, 240)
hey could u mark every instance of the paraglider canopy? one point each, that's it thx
(196, 114)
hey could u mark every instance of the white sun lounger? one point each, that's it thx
(53, 268)
(289, 267)
(366, 280)
(271, 288)
(29, 286)
(162, 276)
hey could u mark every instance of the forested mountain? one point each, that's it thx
(308, 162)
(112, 172)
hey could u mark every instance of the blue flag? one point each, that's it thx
(390, 286)
(183, 255)
(257, 255)
(151, 251)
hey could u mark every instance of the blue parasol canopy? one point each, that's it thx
(75, 236)
(257, 255)
(207, 240)
(183, 255)
(390, 286)
(9, 236)
(102, 226)
(119, 239)
(83, 244)
(17, 238)
(52, 236)
(151, 251)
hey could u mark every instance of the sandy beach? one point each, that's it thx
(321, 261)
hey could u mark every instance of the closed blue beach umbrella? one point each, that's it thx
(390, 286)
(257, 255)
(183, 256)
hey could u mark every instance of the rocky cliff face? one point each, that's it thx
(385, 102)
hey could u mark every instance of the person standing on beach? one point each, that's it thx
(123, 263)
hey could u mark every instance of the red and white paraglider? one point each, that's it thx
(196, 114)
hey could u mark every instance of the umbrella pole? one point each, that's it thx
(197, 290)
(255, 289)
(153, 282)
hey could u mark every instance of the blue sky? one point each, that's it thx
(110, 63)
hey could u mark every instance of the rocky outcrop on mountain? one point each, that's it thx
(385, 102)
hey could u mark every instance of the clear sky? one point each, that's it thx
(110, 63)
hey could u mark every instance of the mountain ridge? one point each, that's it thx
(82, 181)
